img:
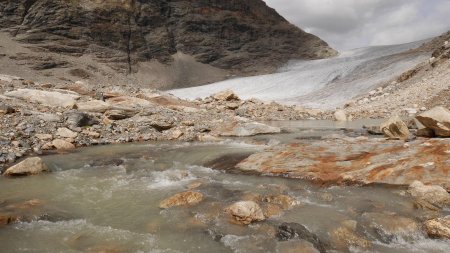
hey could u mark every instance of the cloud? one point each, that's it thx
(347, 24)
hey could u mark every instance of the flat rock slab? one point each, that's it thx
(47, 98)
(356, 161)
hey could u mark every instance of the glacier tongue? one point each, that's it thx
(324, 84)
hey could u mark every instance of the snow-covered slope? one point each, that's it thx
(324, 83)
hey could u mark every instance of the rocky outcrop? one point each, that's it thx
(238, 36)
(436, 119)
(29, 166)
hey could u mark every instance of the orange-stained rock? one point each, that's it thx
(181, 199)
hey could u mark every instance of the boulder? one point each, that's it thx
(433, 194)
(117, 114)
(395, 128)
(182, 199)
(97, 106)
(425, 132)
(80, 119)
(226, 95)
(390, 227)
(62, 144)
(246, 212)
(66, 133)
(438, 228)
(340, 115)
(241, 129)
(296, 246)
(47, 98)
(29, 166)
(437, 119)
(295, 231)
(6, 109)
(284, 201)
(44, 137)
(344, 238)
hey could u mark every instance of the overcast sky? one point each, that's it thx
(347, 24)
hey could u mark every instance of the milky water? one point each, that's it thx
(105, 199)
(323, 83)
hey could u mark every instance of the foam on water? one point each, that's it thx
(323, 83)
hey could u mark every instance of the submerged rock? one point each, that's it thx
(246, 212)
(242, 129)
(294, 231)
(391, 226)
(395, 128)
(438, 228)
(437, 119)
(344, 238)
(181, 199)
(29, 166)
(296, 246)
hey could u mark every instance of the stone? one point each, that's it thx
(438, 228)
(425, 132)
(340, 115)
(245, 212)
(80, 119)
(296, 246)
(66, 133)
(96, 106)
(6, 109)
(293, 231)
(241, 129)
(44, 137)
(226, 95)
(119, 114)
(395, 128)
(47, 98)
(437, 119)
(62, 144)
(284, 201)
(433, 194)
(182, 199)
(91, 133)
(344, 238)
(29, 166)
(6, 219)
(176, 134)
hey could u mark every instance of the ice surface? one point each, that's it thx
(326, 83)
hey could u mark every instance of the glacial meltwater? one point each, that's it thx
(106, 199)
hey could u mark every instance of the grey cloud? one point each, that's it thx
(349, 24)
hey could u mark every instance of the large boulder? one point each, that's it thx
(390, 226)
(395, 128)
(433, 194)
(29, 166)
(226, 95)
(182, 199)
(339, 115)
(47, 98)
(437, 119)
(246, 212)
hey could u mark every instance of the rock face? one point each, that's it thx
(395, 128)
(238, 36)
(246, 212)
(30, 166)
(181, 199)
(436, 119)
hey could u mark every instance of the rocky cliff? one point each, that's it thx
(173, 39)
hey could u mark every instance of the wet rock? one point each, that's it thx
(344, 238)
(296, 246)
(245, 212)
(391, 226)
(340, 115)
(295, 231)
(47, 98)
(107, 162)
(29, 166)
(6, 219)
(433, 194)
(181, 199)
(271, 210)
(241, 129)
(80, 119)
(226, 95)
(284, 201)
(65, 133)
(62, 144)
(395, 128)
(438, 228)
(437, 119)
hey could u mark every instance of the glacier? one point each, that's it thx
(323, 84)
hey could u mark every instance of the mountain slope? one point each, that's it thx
(135, 37)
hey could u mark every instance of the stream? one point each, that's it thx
(106, 199)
